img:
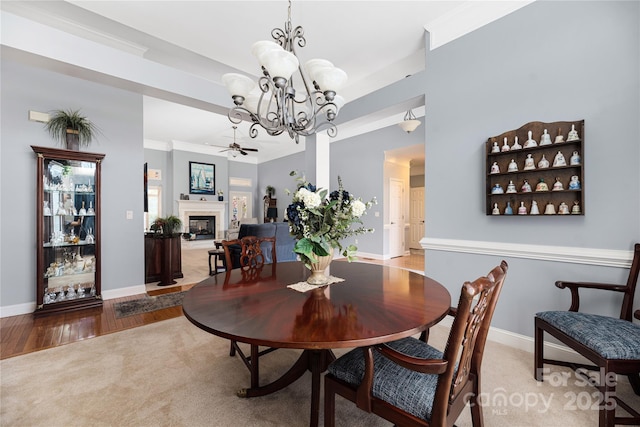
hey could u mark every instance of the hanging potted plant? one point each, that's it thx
(71, 129)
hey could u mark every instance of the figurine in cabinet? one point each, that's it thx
(542, 186)
(559, 137)
(526, 188)
(575, 159)
(522, 210)
(511, 188)
(505, 146)
(513, 166)
(559, 160)
(575, 210)
(550, 209)
(543, 163)
(574, 183)
(495, 168)
(46, 209)
(496, 210)
(495, 148)
(497, 189)
(508, 210)
(530, 143)
(529, 163)
(573, 134)
(545, 139)
(516, 145)
(563, 209)
(557, 186)
(534, 208)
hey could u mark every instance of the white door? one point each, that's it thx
(416, 217)
(396, 218)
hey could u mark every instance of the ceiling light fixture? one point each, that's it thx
(410, 123)
(272, 103)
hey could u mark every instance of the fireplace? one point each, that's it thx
(202, 227)
(216, 213)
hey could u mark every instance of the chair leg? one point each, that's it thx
(232, 350)
(329, 405)
(634, 379)
(538, 353)
(607, 414)
(477, 418)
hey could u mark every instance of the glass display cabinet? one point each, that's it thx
(67, 230)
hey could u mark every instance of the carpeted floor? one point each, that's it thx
(171, 373)
(147, 304)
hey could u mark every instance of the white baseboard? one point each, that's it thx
(30, 307)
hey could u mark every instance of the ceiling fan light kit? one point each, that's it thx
(288, 97)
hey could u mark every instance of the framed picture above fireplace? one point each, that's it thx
(202, 178)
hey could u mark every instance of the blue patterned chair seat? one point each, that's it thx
(609, 337)
(408, 390)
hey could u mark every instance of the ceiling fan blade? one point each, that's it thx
(249, 149)
(244, 153)
(226, 149)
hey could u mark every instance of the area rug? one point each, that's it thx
(147, 304)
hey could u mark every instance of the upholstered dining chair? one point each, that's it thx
(611, 344)
(410, 383)
(247, 253)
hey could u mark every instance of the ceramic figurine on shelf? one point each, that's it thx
(526, 188)
(61, 210)
(575, 159)
(574, 183)
(497, 189)
(575, 210)
(91, 211)
(516, 145)
(534, 208)
(543, 163)
(550, 209)
(496, 210)
(559, 137)
(545, 139)
(46, 209)
(511, 188)
(542, 186)
(513, 166)
(557, 186)
(495, 148)
(530, 143)
(508, 210)
(573, 134)
(505, 146)
(522, 210)
(495, 168)
(559, 160)
(82, 210)
(529, 163)
(563, 209)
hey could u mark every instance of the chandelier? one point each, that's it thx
(288, 97)
(410, 123)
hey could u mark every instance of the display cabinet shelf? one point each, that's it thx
(566, 201)
(67, 230)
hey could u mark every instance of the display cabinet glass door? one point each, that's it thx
(68, 259)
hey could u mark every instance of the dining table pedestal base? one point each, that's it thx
(314, 361)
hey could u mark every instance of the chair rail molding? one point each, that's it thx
(590, 256)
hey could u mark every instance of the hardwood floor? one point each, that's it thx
(25, 333)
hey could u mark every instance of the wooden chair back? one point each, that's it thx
(626, 311)
(251, 255)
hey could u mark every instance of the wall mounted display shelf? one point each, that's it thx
(514, 164)
(67, 230)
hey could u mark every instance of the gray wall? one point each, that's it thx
(549, 61)
(119, 116)
(276, 174)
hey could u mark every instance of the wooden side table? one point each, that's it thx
(218, 257)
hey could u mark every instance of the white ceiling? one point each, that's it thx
(375, 42)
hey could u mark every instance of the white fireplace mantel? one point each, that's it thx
(188, 208)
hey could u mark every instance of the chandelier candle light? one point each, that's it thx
(274, 103)
(319, 223)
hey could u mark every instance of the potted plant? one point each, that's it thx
(167, 227)
(71, 129)
(271, 191)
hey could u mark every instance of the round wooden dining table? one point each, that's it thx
(373, 304)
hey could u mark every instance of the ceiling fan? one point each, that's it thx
(234, 147)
